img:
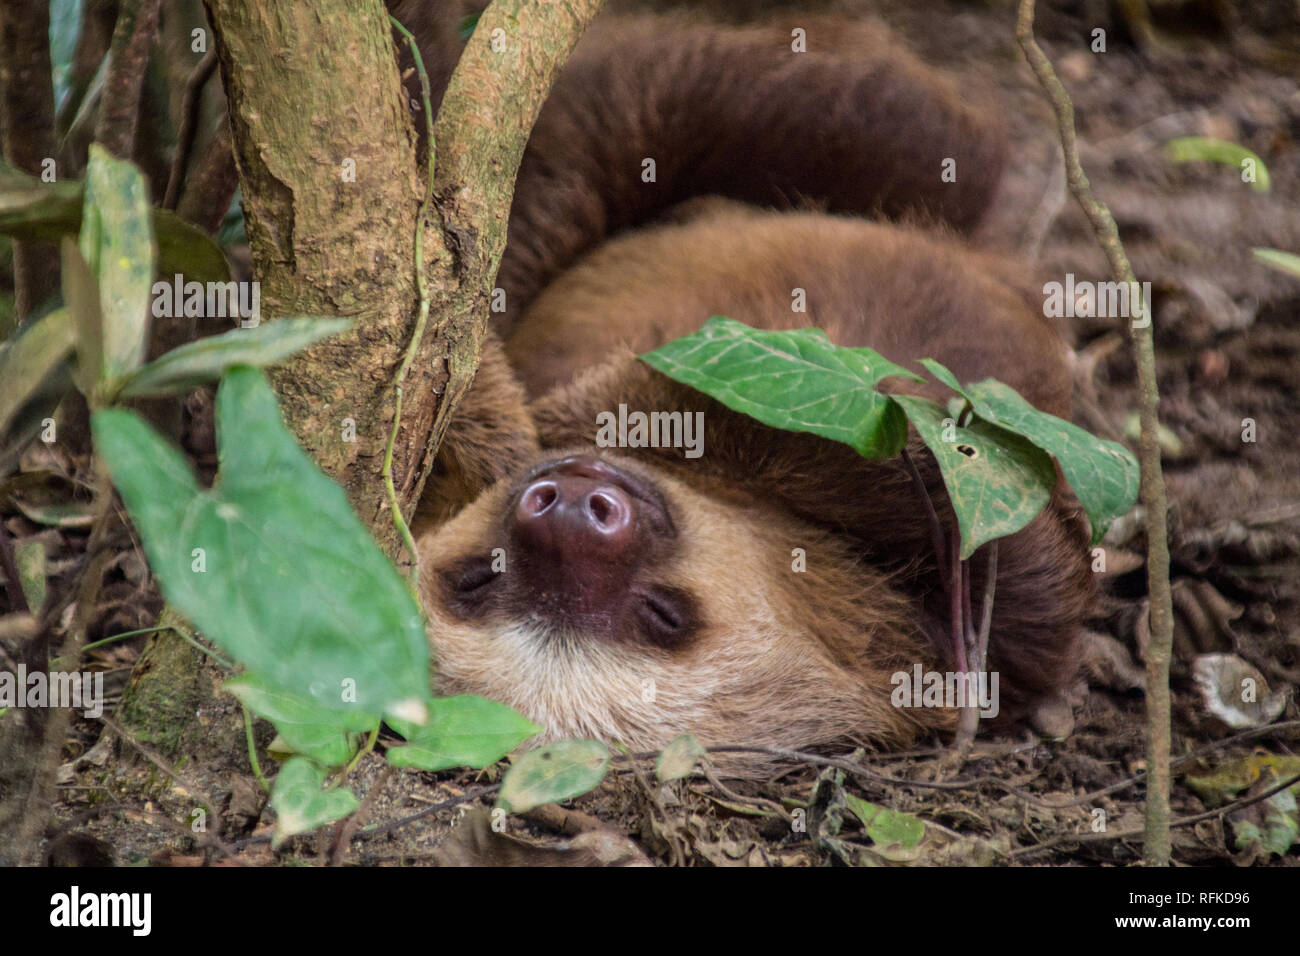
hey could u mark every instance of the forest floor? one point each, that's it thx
(1227, 333)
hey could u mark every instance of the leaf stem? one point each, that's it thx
(252, 746)
(356, 758)
(932, 517)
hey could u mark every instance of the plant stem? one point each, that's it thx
(252, 748)
(986, 611)
(1156, 843)
(931, 516)
(422, 318)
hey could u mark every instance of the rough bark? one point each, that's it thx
(480, 133)
(314, 93)
(27, 130)
(295, 74)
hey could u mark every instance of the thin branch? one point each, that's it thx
(1140, 835)
(1157, 843)
(191, 106)
(119, 111)
(491, 102)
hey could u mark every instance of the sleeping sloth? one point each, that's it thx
(766, 591)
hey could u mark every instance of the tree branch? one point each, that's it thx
(486, 115)
(119, 112)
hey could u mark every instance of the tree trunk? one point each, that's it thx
(312, 87)
(331, 189)
(326, 159)
(27, 131)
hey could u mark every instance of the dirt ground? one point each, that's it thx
(1227, 332)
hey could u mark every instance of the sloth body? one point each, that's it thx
(769, 590)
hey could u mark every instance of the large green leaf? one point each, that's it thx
(271, 563)
(117, 243)
(996, 480)
(206, 360)
(300, 802)
(25, 361)
(327, 736)
(1104, 474)
(465, 731)
(44, 212)
(797, 380)
(552, 773)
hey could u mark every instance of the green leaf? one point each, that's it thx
(553, 773)
(27, 360)
(1194, 148)
(1285, 261)
(796, 380)
(81, 293)
(886, 827)
(45, 212)
(326, 736)
(300, 803)
(31, 209)
(465, 731)
(1273, 823)
(271, 563)
(996, 480)
(678, 759)
(1104, 474)
(59, 514)
(29, 557)
(206, 360)
(117, 244)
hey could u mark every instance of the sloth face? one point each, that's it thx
(604, 599)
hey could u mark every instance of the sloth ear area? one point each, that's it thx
(491, 434)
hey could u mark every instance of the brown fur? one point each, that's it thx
(773, 656)
(734, 112)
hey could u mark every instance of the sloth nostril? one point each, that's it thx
(602, 507)
(538, 499)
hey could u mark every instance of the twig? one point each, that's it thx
(466, 797)
(1140, 835)
(347, 827)
(1157, 843)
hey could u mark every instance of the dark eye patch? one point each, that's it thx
(470, 584)
(666, 617)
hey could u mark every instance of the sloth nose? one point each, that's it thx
(573, 514)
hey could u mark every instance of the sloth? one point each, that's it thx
(766, 588)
